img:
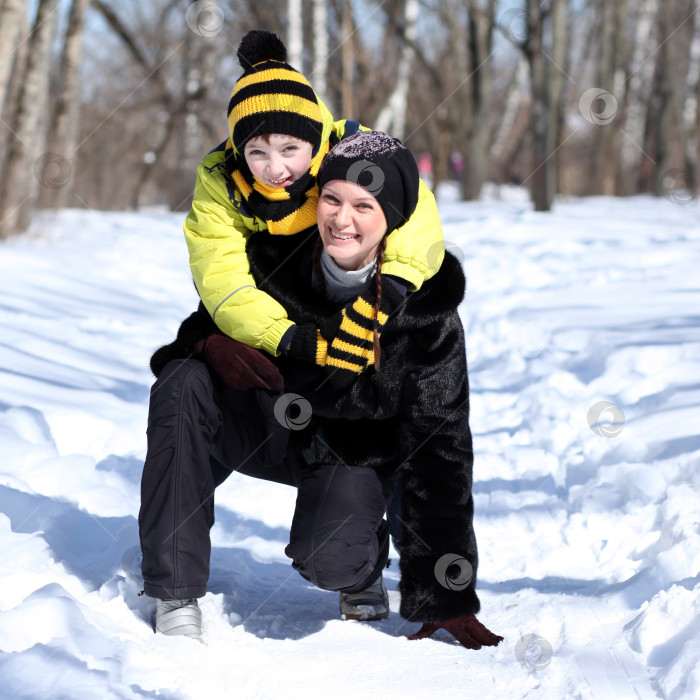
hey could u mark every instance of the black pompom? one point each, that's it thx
(260, 45)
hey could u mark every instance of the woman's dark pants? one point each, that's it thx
(199, 432)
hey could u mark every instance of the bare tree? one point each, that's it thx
(480, 47)
(692, 110)
(155, 90)
(20, 184)
(319, 72)
(557, 77)
(638, 83)
(609, 77)
(669, 135)
(513, 101)
(541, 174)
(348, 55)
(547, 87)
(14, 28)
(393, 115)
(63, 130)
(12, 16)
(295, 34)
(200, 68)
(190, 53)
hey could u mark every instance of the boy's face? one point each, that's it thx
(278, 160)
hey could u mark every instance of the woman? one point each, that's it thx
(402, 424)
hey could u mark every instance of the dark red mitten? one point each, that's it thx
(466, 629)
(239, 365)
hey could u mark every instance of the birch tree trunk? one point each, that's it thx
(513, 100)
(63, 131)
(348, 61)
(690, 109)
(12, 14)
(295, 35)
(14, 27)
(392, 118)
(319, 73)
(639, 81)
(693, 118)
(201, 59)
(610, 78)
(20, 186)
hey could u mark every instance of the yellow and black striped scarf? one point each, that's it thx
(286, 210)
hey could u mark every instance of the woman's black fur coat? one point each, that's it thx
(411, 416)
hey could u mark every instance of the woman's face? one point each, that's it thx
(278, 160)
(351, 223)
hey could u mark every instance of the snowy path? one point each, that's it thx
(583, 331)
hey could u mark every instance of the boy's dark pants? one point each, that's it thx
(199, 432)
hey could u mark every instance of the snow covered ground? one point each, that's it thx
(583, 332)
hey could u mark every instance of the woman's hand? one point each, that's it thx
(466, 629)
(239, 365)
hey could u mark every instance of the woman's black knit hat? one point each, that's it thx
(380, 164)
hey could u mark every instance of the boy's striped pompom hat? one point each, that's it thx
(271, 97)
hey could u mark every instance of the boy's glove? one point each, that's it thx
(307, 344)
(239, 365)
(466, 629)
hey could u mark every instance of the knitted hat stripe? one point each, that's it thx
(287, 123)
(258, 107)
(281, 86)
(279, 71)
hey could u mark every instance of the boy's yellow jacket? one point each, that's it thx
(217, 229)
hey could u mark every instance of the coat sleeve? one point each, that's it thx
(216, 233)
(415, 250)
(438, 548)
